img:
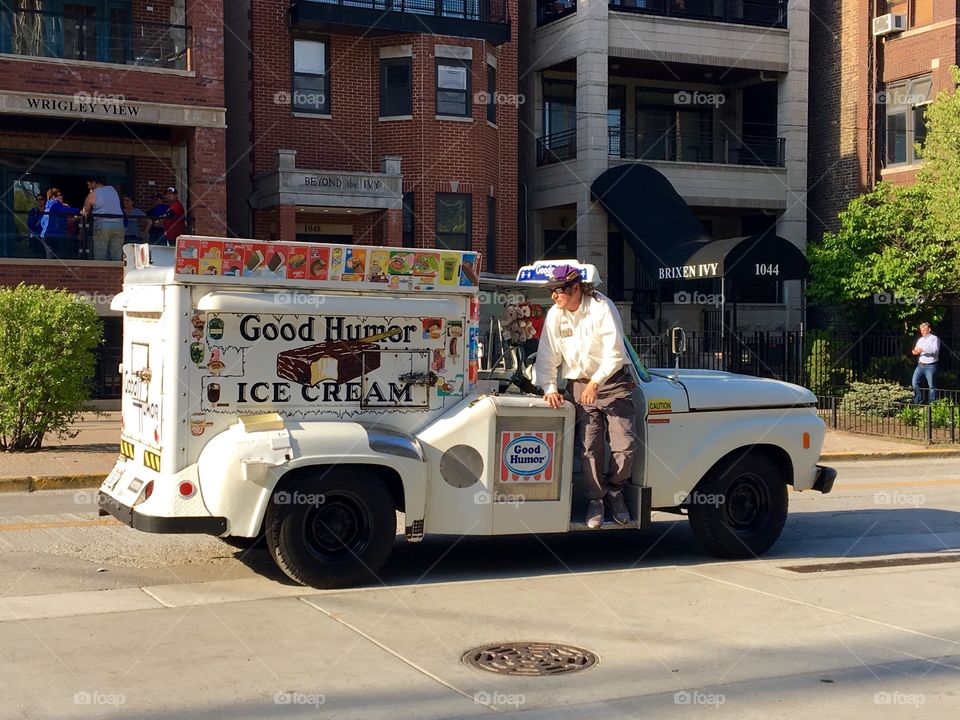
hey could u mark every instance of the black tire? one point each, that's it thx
(738, 510)
(333, 529)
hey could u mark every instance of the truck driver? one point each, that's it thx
(582, 338)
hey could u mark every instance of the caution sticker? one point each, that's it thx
(660, 405)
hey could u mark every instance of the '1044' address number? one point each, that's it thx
(766, 269)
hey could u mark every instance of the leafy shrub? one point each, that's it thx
(915, 415)
(47, 343)
(823, 375)
(880, 399)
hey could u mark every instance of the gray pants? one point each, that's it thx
(107, 243)
(613, 410)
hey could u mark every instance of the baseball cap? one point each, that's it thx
(562, 275)
(172, 189)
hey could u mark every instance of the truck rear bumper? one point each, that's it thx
(825, 477)
(149, 523)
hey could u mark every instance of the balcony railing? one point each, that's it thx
(550, 10)
(678, 146)
(38, 33)
(485, 19)
(764, 13)
(557, 147)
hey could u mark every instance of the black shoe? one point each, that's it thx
(595, 514)
(618, 507)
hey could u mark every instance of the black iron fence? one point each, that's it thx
(821, 360)
(82, 36)
(476, 10)
(827, 363)
(676, 145)
(764, 13)
(557, 147)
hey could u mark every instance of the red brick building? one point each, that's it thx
(878, 64)
(374, 124)
(131, 90)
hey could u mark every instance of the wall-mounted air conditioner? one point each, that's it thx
(889, 23)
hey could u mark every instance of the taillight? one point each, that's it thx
(186, 489)
(148, 490)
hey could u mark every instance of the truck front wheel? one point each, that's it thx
(739, 508)
(331, 531)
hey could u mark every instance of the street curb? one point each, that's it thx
(891, 454)
(50, 482)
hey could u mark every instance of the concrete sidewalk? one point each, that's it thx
(85, 460)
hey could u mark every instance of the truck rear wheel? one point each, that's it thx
(738, 510)
(332, 531)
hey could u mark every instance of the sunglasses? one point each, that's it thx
(566, 289)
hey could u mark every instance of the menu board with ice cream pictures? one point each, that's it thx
(306, 365)
(315, 266)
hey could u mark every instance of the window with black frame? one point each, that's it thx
(617, 120)
(408, 220)
(669, 129)
(490, 259)
(492, 94)
(453, 87)
(311, 77)
(396, 87)
(559, 141)
(453, 219)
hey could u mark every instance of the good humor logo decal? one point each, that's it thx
(527, 457)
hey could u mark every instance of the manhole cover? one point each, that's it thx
(530, 658)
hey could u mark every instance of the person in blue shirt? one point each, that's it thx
(156, 215)
(53, 232)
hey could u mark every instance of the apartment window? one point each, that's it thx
(396, 87)
(311, 62)
(408, 220)
(453, 87)
(616, 119)
(492, 94)
(905, 104)
(453, 221)
(491, 232)
(918, 12)
(559, 106)
(669, 128)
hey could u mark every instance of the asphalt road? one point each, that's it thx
(98, 620)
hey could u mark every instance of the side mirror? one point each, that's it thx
(678, 341)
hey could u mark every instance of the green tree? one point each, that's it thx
(47, 362)
(899, 247)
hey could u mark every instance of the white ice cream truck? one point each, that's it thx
(311, 392)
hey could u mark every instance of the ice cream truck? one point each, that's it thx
(314, 394)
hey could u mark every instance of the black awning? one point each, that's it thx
(667, 237)
(756, 257)
(650, 214)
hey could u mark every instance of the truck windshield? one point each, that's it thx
(637, 362)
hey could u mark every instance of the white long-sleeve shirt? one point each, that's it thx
(929, 347)
(585, 343)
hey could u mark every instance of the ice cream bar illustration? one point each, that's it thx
(254, 260)
(275, 262)
(338, 360)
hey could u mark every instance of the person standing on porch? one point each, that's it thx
(582, 339)
(103, 204)
(927, 351)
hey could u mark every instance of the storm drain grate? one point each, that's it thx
(530, 658)
(867, 564)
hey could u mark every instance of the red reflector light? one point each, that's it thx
(186, 489)
(148, 490)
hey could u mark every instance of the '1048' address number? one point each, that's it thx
(764, 269)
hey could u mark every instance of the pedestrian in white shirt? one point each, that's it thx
(582, 340)
(927, 351)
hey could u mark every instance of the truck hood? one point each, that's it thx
(712, 390)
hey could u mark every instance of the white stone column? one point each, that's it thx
(792, 125)
(591, 37)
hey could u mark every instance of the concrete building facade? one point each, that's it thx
(713, 95)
